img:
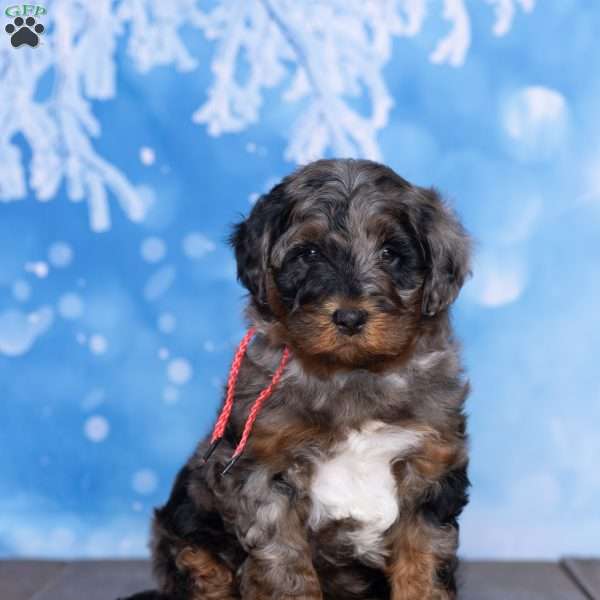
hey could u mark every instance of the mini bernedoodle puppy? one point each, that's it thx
(351, 481)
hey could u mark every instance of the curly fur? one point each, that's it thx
(377, 415)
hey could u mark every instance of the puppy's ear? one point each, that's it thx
(447, 251)
(253, 239)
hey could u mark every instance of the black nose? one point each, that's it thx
(349, 320)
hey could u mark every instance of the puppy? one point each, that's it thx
(352, 479)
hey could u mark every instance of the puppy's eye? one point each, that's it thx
(388, 254)
(309, 253)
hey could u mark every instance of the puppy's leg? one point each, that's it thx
(194, 557)
(208, 578)
(352, 581)
(425, 542)
(279, 565)
(423, 562)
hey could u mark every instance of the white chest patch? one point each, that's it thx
(357, 482)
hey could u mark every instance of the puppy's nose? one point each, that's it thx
(350, 320)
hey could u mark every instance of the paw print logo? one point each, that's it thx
(24, 32)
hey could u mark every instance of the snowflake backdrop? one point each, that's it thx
(163, 121)
(332, 52)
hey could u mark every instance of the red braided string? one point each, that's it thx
(258, 403)
(219, 429)
(221, 424)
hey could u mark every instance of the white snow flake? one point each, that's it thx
(96, 428)
(153, 249)
(147, 156)
(144, 481)
(179, 371)
(98, 344)
(18, 331)
(60, 255)
(170, 395)
(196, 246)
(21, 290)
(167, 323)
(38, 268)
(159, 282)
(70, 306)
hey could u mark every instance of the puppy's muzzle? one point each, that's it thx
(350, 321)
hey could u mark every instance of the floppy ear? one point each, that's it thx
(253, 239)
(447, 250)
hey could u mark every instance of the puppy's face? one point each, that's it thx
(346, 278)
(346, 260)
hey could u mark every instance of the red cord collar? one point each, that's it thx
(221, 424)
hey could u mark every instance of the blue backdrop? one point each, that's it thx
(115, 337)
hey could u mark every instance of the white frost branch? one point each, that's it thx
(78, 54)
(453, 48)
(505, 13)
(336, 50)
(329, 53)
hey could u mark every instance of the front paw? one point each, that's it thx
(268, 581)
(420, 591)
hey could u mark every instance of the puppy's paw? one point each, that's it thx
(311, 591)
(271, 579)
(210, 578)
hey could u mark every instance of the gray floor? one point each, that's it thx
(571, 579)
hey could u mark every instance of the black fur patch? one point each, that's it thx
(183, 519)
(253, 238)
(451, 496)
(446, 574)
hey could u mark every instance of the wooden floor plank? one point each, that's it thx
(516, 581)
(22, 579)
(587, 574)
(98, 580)
(108, 580)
